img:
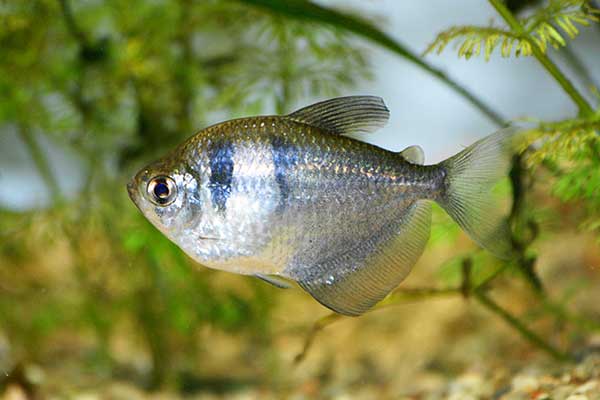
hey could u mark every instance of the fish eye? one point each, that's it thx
(162, 190)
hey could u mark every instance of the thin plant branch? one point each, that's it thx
(595, 5)
(520, 327)
(318, 326)
(71, 24)
(309, 11)
(41, 162)
(584, 107)
(578, 67)
(399, 296)
(466, 289)
(524, 262)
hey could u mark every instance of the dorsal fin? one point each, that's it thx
(345, 115)
(414, 155)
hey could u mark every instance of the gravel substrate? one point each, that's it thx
(578, 382)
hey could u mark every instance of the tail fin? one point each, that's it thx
(467, 197)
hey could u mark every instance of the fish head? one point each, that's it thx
(166, 194)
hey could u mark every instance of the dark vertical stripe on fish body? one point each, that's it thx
(220, 155)
(285, 158)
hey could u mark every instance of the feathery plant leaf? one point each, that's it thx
(286, 60)
(562, 140)
(571, 150)
(308, 11)
(540, 30)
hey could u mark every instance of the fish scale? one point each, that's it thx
(293, 196)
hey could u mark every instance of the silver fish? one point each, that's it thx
(294, 197)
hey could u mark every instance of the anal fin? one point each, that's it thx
(354, 282)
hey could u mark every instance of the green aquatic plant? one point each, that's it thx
(539, 29)
(116, 87)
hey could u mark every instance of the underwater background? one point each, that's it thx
(95, 303)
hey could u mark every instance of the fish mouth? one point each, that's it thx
(131, 190)
(133, 193)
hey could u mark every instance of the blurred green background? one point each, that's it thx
(96, 303)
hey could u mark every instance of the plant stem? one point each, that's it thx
(319, 325)
(399, 296)
(408, 295)
(71, 24)
(584, 107)
(595, 5)
(578, 67)
(474, 100)
(479, 292)
(286, 51)
(41, 162)
(520, 327)
(307, 10)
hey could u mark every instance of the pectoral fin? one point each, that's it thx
(345, 115)
(355, 281)
(278, 283)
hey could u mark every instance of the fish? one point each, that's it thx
(295, 198)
